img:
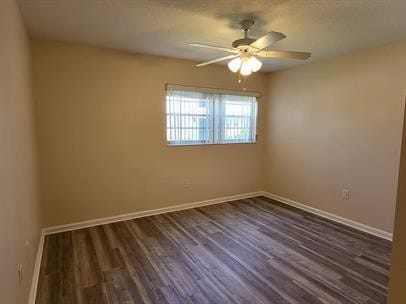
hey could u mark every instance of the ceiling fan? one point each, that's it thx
(245, 51)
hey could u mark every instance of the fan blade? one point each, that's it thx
(284, 54)
(267, 40)
(217, 60)
(214, 47)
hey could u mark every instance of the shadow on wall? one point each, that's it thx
(233, 12)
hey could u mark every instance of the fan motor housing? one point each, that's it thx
(242, 42)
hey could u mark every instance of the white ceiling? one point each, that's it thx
(164, 27)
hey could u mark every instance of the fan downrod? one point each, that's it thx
(246, 41)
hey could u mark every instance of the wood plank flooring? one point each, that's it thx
(247, 251)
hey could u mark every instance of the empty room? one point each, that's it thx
(202, 152)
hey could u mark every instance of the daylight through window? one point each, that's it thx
(194, 117)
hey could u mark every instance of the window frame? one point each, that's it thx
(212, 136)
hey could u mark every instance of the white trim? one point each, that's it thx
(180, 87)
(129, 216)
(37, 268)
(330, 216)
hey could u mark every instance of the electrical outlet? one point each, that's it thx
(20, 275)
(346, 194)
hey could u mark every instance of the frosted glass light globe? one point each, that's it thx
(254, 64)
(235, 64)
(245, 69)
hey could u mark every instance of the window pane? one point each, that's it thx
(239, 118)
(188, 117)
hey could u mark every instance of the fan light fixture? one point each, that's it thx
(254, 64)
(246, 65)
(235, 64)
(245, 69)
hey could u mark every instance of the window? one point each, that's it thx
(201, 117)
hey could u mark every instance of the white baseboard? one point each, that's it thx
(129, 216)
(37, 268)
(330, 216)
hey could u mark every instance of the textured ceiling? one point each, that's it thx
(164, 27)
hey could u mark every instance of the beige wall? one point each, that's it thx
(397, 292)
(330, 125)
(336, 124)
(19, 216)
(101, 132)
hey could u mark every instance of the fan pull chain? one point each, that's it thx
(241, 78)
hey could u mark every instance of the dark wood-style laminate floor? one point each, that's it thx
(247, 251)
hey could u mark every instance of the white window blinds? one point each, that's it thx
(209, 118)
